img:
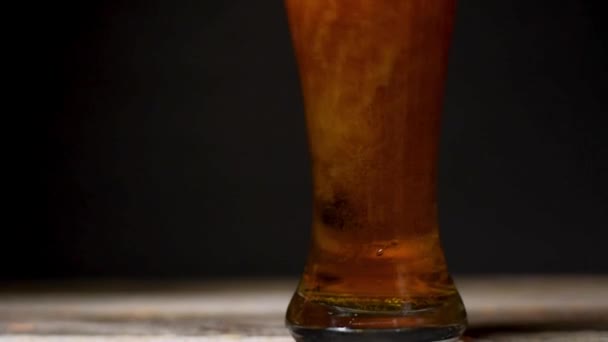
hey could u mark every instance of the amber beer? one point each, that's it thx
(372, 75)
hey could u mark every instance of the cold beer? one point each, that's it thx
(372, 75)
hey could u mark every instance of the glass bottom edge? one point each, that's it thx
(422, 334)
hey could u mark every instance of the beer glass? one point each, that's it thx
(372, 74)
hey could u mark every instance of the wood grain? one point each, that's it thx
(500, 309)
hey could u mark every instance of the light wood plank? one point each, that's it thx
(500, 309)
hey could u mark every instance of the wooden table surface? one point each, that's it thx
(528, 308)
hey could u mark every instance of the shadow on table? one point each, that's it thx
(549, 331)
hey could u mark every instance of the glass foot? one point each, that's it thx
(438, 334)
(314, 317)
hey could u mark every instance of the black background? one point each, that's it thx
(167, 138)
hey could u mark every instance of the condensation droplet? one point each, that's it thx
(379, 252)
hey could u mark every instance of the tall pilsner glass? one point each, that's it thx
(372, 75)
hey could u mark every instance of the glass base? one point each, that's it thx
(318, 317)
(437, 334)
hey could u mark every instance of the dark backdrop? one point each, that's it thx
(166, 138)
